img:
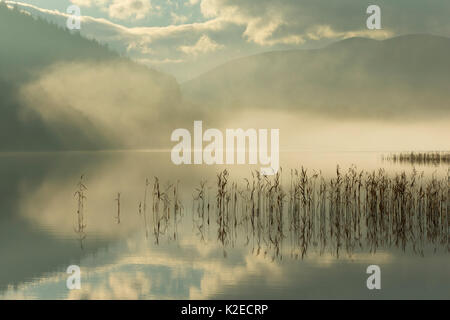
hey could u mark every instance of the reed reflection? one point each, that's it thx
(353, 211)
(80, 224)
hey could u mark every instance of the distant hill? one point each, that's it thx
(30, 47)
(407, 76)
(30, 42)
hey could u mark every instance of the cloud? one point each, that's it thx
(90, 3)
(125, 9)
(192, 2)
(326, 32)
(140, 46)
(117, 285)
(178, 18)
(268, 23)
(119, 9)
(244, 27)
(158, 62)
(203, 45)
(285, 22)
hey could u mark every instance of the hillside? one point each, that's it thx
(406, 76)
(54, 85)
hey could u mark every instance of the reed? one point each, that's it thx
(80, 225)
(167, 208)
(420, 158)
(351, 211)
(118, 208)
(143, 208)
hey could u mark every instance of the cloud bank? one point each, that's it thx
(241, 27)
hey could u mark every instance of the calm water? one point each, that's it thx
(186, 253)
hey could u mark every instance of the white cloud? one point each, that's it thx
(178, 18)
(125, 9)
(247, 27)
(139, 46)
(203, 45)
(265, 23)
(158, 62)
(326, 32)
(290, 21)
(90, 3)
(119, 9)
(192, 2)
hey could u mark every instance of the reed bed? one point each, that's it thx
(166, 210)
(354, 210)
(420, 158)
(351, 211)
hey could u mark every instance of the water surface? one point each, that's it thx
(188, 253)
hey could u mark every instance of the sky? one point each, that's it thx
(188, 37)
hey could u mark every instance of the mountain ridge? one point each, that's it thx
(40, 98)
(406, 68)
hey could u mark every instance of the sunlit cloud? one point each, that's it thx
(248, 26)
(178, 18)
(90, 3)
(203, 45)
(326, 32)
(125, 9)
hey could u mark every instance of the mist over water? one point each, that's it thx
(186, 253)
(184, 256)
(76, 95)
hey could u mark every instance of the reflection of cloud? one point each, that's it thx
(135, 269)
(12, 293)
(117, 285)
(142, 271)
